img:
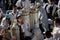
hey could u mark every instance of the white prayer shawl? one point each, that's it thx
(27, 5)
(59, 4)
(54, 9)
(58, 13)
(47, 6)
(58, 9)
(56, 33)
(24, 29)
(43, 18)
(13, 15)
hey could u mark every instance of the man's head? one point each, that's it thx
(48, 34)
(51, 1)
(57, 21)
(19, 18)
(14, 8)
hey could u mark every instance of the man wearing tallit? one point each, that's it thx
(51, 9)
(58, 9)
(43, 19)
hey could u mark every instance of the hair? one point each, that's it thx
(58, 20)
(22, 20)
(18, 17)
(51, 0)
(48, 34)
(14, 6)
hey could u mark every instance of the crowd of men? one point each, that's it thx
(30, 20)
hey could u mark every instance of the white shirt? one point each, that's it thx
(12, 16)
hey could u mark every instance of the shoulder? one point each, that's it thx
(3, 18)
(18, 3)
(56, 5)
(10, 13)
(18, 11)
(45, 5)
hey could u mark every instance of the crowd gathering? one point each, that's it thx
(29, 20)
